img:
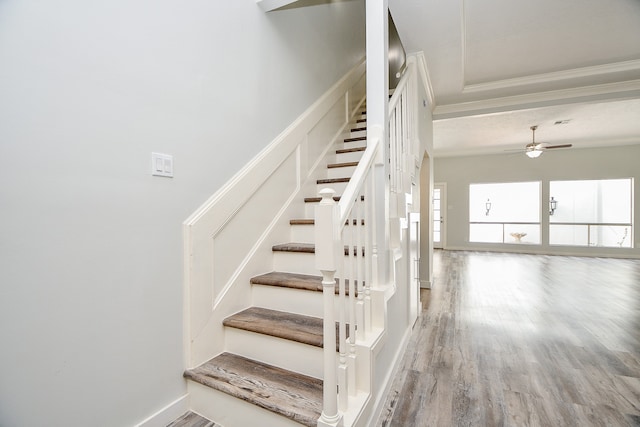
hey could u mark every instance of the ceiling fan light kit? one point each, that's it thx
(534, 150)
(532, 153)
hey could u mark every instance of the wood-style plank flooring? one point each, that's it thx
(190, 419)
(523, 340)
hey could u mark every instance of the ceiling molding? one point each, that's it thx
(603, 92)
(421, 62)
(463, 45)
(576, 73)
(506, 151)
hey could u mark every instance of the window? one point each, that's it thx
(437, 200)
(592, 213)
(505, 213)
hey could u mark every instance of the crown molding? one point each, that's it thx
(602, 92)
(421, 62)
(576, 73)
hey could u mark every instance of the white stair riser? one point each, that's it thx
(349, 144)
(307, 303)
(306, 233)
(347, 157)
(293, 356)
(338, 187)
(295, 262)
(302, 233)
(228, 411)
(357, 133)
(310, 210)
(340, 172)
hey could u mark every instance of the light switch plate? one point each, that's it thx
(162, 165)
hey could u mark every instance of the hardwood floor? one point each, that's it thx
(523, 340)
(190, 419)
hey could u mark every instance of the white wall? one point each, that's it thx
(573, 164)
(90, 243)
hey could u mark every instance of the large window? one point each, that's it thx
(591, 213)
(505, 213)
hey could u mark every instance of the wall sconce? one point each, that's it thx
(487, 207)
(553, 205)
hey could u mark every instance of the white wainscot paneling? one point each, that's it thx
(324, 131)
(233, 243)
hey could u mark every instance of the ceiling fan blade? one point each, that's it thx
(549, 147)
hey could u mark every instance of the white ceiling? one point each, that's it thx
(497, 67)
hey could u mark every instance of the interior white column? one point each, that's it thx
(377, 13)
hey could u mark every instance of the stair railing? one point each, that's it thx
(347, 238)
(401, 141)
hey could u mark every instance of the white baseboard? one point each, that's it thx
(381, 398)
(167, 414)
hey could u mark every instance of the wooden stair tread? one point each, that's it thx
(332, 180)
(302, 221)
(307, 248)
(350, 150)
(361, 121)
(317, 199)
(304, 282)
(358, 129)
(357, 138)
(311, 221)
(280, 324)
(289, 280)
(342, 165)
(290, 394)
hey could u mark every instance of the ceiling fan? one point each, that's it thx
(535, 149)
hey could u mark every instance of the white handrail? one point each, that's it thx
(347, 238)
(357, 181)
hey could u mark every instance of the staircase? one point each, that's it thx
(273, 358)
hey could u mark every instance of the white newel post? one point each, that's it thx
(327, 249)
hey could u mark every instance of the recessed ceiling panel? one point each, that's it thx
(505, 39)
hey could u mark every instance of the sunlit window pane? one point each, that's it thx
(505, 213)
(574, 235)
(490, 233)
(510, 202)
(592, 201)
(612, 236)
(592, 213)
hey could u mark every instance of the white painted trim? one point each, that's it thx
(576, 73)
(580, 145)
(425, 284)
(167, 414)
(247, 259)
(423, 71)
(269, 5)
(463, 45)
(381, 398)
(607, 91)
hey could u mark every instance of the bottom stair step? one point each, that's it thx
(290, 394)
